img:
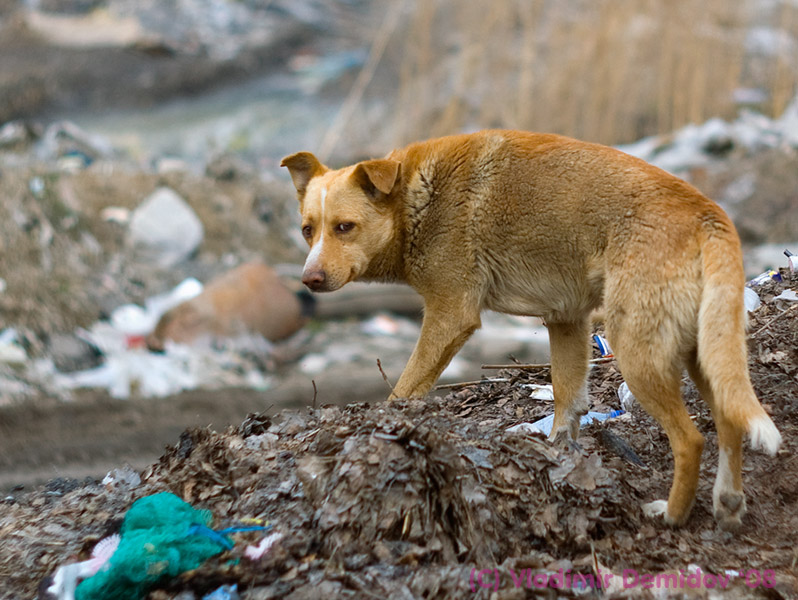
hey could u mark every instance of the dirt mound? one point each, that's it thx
(435, 499)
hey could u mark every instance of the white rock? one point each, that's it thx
(166, 227)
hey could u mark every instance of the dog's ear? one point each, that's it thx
(303, 167)
(377, 177)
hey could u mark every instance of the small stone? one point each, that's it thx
(165, 228)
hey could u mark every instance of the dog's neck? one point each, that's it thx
(387, 266)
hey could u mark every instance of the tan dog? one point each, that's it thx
(248, 299)
(535, 224)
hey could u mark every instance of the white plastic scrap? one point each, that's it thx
(788, 295)
(256, 552)
(10, 351)
(626, 397)
(751, 299)
(66, 577)
(544, 425)
(130, 367)
(540, 392)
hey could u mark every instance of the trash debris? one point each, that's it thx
(626, 397)
(36, 186)
(540, 391)
(751, 299)
(763, 277)
(165, 228)
(256, 551)
(115, 214)
(125, 476)
(788, 295)
(10, 351)
(66, 578)
(161, 537)
(544, 425)
(603, 346)
(65, 139)
(792, 259)
(225, 592)
(129, 368)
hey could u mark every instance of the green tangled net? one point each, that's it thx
(161, 537)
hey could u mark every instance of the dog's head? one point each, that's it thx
(347, 216)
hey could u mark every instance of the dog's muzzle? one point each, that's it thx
(315, 280)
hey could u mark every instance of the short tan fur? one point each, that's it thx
(539, 224)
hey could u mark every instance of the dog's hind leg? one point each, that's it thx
(728, 499)
(653, 374)
(570, 349)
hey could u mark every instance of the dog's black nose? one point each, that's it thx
(315, 280)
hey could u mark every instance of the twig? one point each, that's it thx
(594, 361)
(315, 391)
(462, 384)
(384, 376)
(501, 490)
(769, 323)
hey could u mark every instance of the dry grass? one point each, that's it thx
(604, 70)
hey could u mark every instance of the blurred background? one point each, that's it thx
(106, 103)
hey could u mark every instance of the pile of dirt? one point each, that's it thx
(435, 499)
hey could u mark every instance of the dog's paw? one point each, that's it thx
(562, 439)
(658, 508)
(729, 510)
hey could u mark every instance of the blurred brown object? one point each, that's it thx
(249, 298)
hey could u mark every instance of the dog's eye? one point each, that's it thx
(344, 227)
(307, 232)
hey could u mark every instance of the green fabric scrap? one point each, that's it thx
(161, 537)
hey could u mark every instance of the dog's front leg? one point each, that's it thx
(448, 323)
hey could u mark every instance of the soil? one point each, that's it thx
(414, 499)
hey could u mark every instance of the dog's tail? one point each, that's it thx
(722, 350)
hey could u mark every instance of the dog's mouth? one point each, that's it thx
(322, 284)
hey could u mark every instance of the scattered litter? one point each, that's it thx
(540, 391)
(603, 346)
(544, 425)
(66, 577)
(256, 551)
(225, 592)
(789, 295)
(125, 476)
(751, 299)
(115, 214)
(36, 186)
(763, 277)
(626, 397)
(792, 259)
(130, 369)
(161, 537)
(3, 285)
(10, 351)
